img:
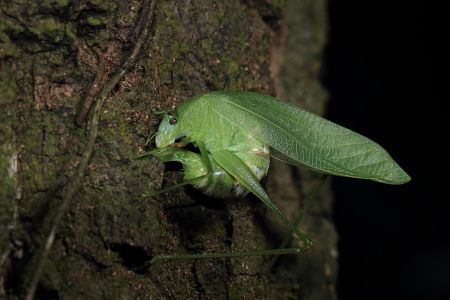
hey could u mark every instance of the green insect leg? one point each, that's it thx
(297, 221)
(238, 169)
(195, 169)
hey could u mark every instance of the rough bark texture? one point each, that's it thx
(50, 58)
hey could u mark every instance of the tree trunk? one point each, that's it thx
(56, 54)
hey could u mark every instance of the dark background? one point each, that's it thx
(382, 67)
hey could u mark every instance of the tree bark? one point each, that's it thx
(57, 54)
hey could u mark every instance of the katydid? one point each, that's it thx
(236, 132)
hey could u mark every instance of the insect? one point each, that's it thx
(236, 132)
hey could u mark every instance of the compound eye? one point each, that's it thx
(173, 121)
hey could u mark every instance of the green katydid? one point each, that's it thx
(236, 132)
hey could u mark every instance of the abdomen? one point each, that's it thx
(254, 153)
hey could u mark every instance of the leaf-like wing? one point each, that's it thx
(304, 139)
